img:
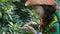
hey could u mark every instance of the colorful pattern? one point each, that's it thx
(54, 29)
(54, 26)
(55, 19)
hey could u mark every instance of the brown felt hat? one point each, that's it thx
(40, 2)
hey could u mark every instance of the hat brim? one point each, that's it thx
(40, 2)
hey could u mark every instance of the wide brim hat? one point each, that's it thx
(40, 2)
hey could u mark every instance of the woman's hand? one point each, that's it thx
(29, 27)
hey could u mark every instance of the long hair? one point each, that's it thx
(49, 11)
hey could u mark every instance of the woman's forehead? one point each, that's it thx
(39, 9)
(36, 7)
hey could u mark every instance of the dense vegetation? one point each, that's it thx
(13, 15)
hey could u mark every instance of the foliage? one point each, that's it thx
(13, 15)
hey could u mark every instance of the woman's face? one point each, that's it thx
(40, 11)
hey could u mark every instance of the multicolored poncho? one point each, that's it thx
(54, 25)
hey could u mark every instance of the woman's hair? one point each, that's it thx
(49, 10)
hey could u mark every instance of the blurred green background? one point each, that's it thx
(13, 15)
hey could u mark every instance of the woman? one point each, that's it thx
(47, 13)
